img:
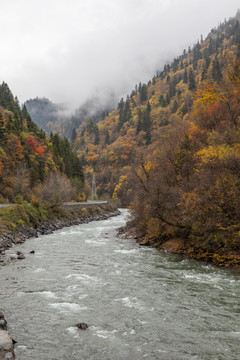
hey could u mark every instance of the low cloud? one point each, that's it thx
(70, 50)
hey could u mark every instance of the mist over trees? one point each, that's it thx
(57, 118)
(170, 150)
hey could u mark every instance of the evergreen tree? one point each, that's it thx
(162, 101)
(121, 119)
(185, 76)
(121, 104)
(148, 107)
(10, 124)
(172, 88)
(7, 100)
(139, 88)
(97, 136)
(107, 138)
(210, 46)
(175, 64)
(77, 168)
(174, 107)
(167, 99)
(191, 80)
(216, 70)
(139, 125)
(127, 114)
(146, 125)
(143, 93)
(74, 135)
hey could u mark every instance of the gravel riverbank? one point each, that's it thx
(22, 233)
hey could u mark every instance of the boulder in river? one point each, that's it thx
(20, 255)
(32, 252)
(82, 326)
(5, 341)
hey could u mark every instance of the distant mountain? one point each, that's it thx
(56, 118)
(46, 114)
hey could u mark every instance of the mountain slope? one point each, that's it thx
(171, 149)
(27, 156)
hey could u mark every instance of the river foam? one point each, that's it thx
(138, 303)
(66, 307)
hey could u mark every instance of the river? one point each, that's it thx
(138, 303)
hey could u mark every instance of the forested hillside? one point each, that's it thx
(32, 165)
(171, 150)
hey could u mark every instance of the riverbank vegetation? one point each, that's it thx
(29, 219)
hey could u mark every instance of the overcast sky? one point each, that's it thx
(67, 50)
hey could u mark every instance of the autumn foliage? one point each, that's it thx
(28, 157)
(170, 150)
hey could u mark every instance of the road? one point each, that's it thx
(86, 203)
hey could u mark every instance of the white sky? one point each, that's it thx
(67, 50)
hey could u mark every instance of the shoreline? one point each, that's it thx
(71, 217)
(20, 236)
(191, 249)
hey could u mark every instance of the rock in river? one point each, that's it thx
(6, 342)
(82, 326)
(20, 255)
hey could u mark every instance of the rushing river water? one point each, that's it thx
(138, 303)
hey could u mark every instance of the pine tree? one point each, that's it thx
(139, 126)
(107, 138)
(162, 101)
(167, 99)
(120, 120)
(185, 76)
(143, 93)
(146, 125)
(127, 114)
(205, 68)
(148, 107)
(77, 168)
(7, 99)
(172, 88)
(216, 70)
(174, 107)
(97, 136)
(74, 135)
(210, 46)
(191, 80)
